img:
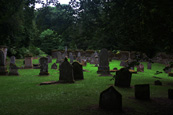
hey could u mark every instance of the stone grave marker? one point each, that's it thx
(123, 77)
(170, 93)
(140, 68)
(3, 69)
(71, 57)
(28, 62)
(12, 59)
(111, 99)
(49, 59)
(77, 71)
(54, 66)
(66, 72)
(142, 92)
(103, 68)
(13, 69)
(59, 57)
(43, 66)
(149, 65)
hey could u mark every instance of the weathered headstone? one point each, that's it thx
(66, 72)
(71, 57)
(3, 68)
(59, 57)
(149, 65)
(78, 57)
(123, 78)
(103, 68)
(4, 50)
(49, 59)
(140, 68)
(28, 62)
(54, 66)
(170, 93)
(157, 82)
(111, 99)
(77, 71)
(13, 69)
(43, 66)
(12, 59)
(142, 92)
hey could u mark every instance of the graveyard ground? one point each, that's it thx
(22, 95)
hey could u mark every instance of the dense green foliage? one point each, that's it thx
(134, 25)
(22, 94)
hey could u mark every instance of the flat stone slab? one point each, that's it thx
(49, 82)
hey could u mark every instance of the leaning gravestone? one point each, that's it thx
(142, 92)
(13, 69)
(170, 93)
(28, 62)
(12, 59)
(43, 66)
(77, 71)
(66, 72)
(71, 57)
(140, 68)
(103, 68)
(54, 66)
(111, 99)
(123, 78)
(3, 69)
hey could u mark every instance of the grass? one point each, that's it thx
(22, 95)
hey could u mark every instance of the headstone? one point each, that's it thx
(28, 62)
(3, 69)
(43, 66)
(71, 57)
(140, 68)
(103, 68)
(49, 59)
(111, 99)
(170, 93)
(12, 59)
(149, 65)
(77, 71)
(123, 78)
(142, 92)
(13, 69)
(59, 58)
(4, 50)
(54, 66)
(66, 72)
(157, 82)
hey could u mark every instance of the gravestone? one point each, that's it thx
(110, 99)
(4, 50)
(92, 59)
(71, 57)
(157, 82)
(59, 58)
(78, 57)
(54, 66)
(28, 62)
(103, 68)
(170, 93)
(149, 65)
(142, 92)
(140, 68)
(13, 69)
(3, 69)
(77, 71)
(43, 66)
(49, 59)
(123, 78)
(66, 72)
(12, 59)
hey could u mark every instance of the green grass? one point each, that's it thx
(22, 95)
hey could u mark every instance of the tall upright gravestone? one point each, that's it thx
(3, 68)
(71, 57)
(43, 66)
(66, 72)
(12, 59)
(28, 62)
(59, 57)
(77, 71)
(103, 68)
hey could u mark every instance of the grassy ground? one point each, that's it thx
(22, 95)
